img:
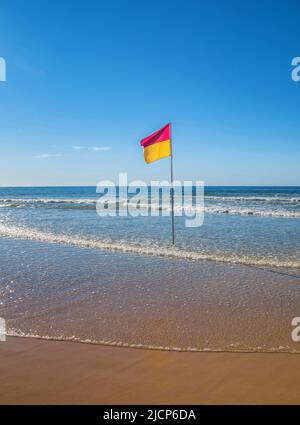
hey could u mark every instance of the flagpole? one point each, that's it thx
(172, 188)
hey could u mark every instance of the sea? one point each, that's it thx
(231, 284)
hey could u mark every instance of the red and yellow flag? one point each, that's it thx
(157, 145)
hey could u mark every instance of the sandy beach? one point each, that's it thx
(149, 207)
(49, 372)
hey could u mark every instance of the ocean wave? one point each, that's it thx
(265, 199)
(33, 201)
(245, 211)
(232, 348)
(147, 250)
(209, 208)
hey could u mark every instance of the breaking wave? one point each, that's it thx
(265, 199)
(147, 250)
(243, 206)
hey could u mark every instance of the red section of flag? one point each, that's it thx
(159, 136)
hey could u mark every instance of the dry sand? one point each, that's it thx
(46, 372)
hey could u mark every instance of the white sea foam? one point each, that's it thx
(252, 211)
(236, 208)
(139, 249)
(235, 348)
(266, 199)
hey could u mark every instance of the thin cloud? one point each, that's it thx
(48, 155)
(91, 148)
(101, 148)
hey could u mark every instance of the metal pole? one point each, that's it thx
(172, 188)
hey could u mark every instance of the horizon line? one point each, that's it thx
(209, 185)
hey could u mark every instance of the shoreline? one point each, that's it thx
(36, 371)
(150, 348)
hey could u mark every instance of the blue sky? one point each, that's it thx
(100, 75)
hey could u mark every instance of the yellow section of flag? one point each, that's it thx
(157, 151)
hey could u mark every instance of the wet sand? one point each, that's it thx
(48, 372)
